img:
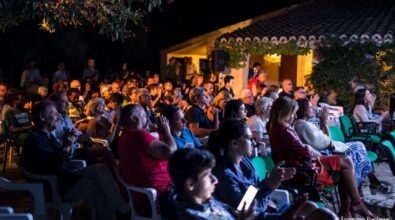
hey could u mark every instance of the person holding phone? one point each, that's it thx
(236, 173)
(190, 170)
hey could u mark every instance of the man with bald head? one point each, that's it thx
(75, 84)
(287, 87)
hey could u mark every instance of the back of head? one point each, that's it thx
(195, 93)
(116, 98)
(228, 78)
(188, 163)
(38, 109)
(263, 101)
(245, 93)
(126, 112)
(229, 130)
(169, 110)
(231, 108)
(91, 107)
(303, 108)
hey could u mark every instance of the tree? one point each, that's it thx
(368, 63)
(114, 18)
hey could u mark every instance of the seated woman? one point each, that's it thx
(182, 135)
(236, 173)
(257, 122)
(287, 146)
(235, 109)
(363, 106)
(320, 140)
(98, 126)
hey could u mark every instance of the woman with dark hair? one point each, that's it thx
(321, 140)
(235, 109)
(287, 146)
(363, 106)
(236, 173)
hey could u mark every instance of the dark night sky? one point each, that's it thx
(174, 23)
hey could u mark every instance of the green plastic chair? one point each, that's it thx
(352, 134)
(337, 135)
(269, 163)
(390, 151)
(260, 167)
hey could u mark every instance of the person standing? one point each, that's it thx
(91, 72)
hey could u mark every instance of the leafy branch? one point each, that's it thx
(114, 18)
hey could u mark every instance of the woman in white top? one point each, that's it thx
(363, 105)
(320, 139)
(257, 122)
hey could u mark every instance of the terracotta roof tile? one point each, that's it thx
(327, 18)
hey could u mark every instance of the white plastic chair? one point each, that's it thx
(36, 189)
(150, 193)
(65, 207)
(7, 213)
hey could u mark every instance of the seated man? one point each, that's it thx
(43, 154)
(182, 135)
(17, 118)
(142, 157)
(198, 121)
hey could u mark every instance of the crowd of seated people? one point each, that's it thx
(154, 135)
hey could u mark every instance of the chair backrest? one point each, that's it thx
(7, 213)
(390, 150)
(392, 136)
(346, 125)
(336, 134)
(50, 179)
(36, 190)
(269, 163)
(150, 193)
(5, 129)
(260, 167)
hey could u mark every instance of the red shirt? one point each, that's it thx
(286, 145)
(252, 82)
(137, 166)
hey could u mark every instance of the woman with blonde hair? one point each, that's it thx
(287, 146)
(98, 126)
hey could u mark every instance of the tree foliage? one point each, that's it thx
(238, 51)
(369, 64)
(113, 18)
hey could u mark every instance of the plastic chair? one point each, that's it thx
(337, 135)
(9, 144)
(260, 167)
(390, 151)
(352, 133)
(65, 207)
(7, 213)
(150, 193)
(35, 189)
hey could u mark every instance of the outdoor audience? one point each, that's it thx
(43, 154)
(158, 133)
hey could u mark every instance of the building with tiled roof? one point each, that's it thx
(303, 24)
